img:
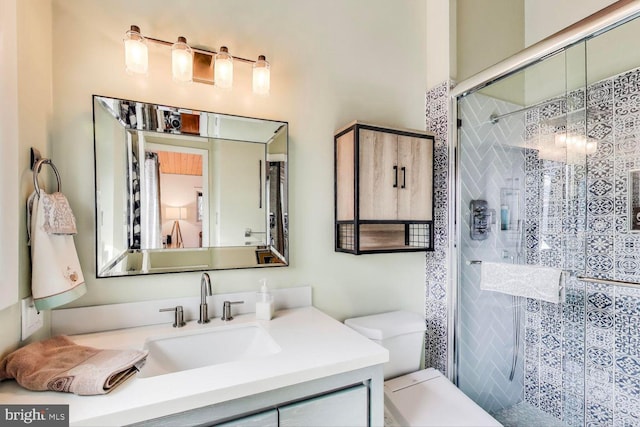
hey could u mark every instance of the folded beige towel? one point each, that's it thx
(59, 364)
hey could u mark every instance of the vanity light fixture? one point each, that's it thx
(181, 61)
(194, 64)
(223, 69)
(136, 53)
(261, 76)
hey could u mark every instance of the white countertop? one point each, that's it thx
(313, 344)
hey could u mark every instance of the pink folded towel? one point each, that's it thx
(59, 364)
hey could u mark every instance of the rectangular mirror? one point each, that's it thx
(184, 190)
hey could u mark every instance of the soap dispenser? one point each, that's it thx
(264, 302)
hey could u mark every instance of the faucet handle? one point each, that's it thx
(178, 320)
(226, 310)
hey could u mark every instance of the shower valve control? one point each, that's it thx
(481, 219)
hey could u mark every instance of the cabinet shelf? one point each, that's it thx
(383, 190)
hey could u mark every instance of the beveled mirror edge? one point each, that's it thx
(284, 259)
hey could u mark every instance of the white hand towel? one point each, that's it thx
(58, 216)
(531, 281)
(56, 276)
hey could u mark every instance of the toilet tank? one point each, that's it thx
(400, 332)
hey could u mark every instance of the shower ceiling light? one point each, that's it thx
(576, 143)
(212, 67)
(591, 146)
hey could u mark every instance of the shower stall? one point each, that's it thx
(547, 161)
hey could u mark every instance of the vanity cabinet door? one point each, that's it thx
(263, 419)
(343, 408)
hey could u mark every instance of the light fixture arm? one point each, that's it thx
(197, 49)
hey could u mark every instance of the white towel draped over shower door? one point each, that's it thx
(531, 281)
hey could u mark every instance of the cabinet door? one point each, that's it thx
(343, 408)
(263, 419)
(345, 176)
(378, 162)
(415, 160)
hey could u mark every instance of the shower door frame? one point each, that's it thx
(608, 18)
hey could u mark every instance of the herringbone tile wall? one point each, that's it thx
(491, 160)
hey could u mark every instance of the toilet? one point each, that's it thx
(414, 397)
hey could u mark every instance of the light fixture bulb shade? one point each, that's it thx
(181, 61)
(223, 69)
(136, 53)
(261, 76)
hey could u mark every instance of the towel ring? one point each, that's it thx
(36, 171)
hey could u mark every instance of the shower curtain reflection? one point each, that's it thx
(151, 232)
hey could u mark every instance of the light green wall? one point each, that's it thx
(441, 41)
(613, 52)
(9, 211)
(488, 31)
(546, 17)
(33, 114)
(331, 63)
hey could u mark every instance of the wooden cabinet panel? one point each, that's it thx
(378, 175)
(345, 175)
(415, 159)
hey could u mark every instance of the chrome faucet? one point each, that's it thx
(205, 290)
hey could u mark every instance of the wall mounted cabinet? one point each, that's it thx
(383, 189)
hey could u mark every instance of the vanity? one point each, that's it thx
(311, 370)
(173, 197)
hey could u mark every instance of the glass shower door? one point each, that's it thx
(521, 182)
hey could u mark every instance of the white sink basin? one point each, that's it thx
(211, 346)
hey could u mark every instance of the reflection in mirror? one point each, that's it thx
(634, 200)
(183, 190)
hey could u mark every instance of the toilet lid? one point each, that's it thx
(427, 398)
(387, 325)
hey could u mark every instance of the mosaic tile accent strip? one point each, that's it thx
(436, 340)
